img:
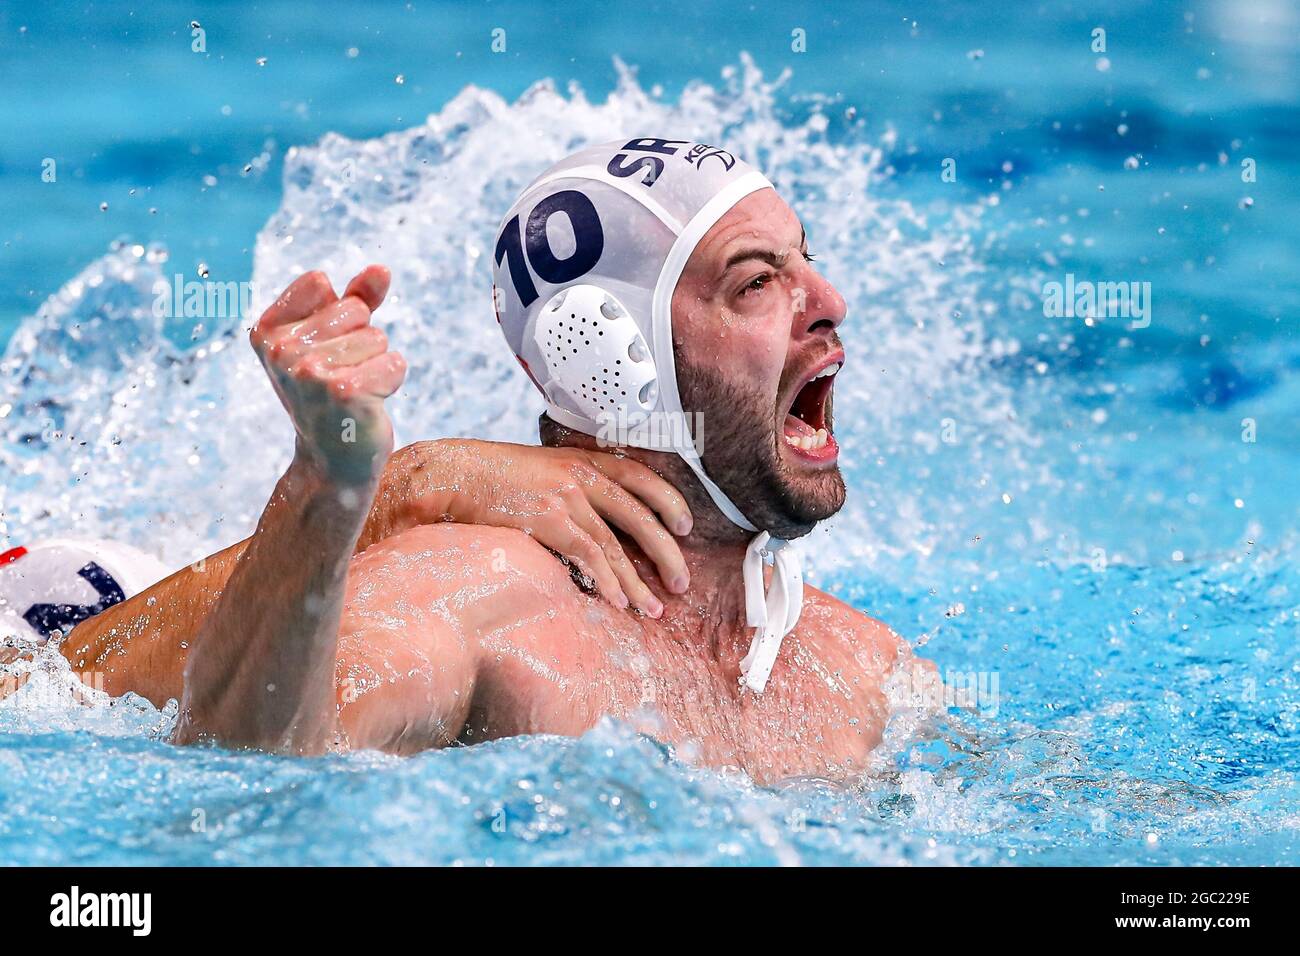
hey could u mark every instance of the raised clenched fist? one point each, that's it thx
(332, 370)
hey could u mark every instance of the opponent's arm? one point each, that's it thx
(568, 499)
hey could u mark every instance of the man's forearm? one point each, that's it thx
(261, 672)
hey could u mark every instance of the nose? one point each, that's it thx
(824, 308)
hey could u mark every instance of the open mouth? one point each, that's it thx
(807, 427)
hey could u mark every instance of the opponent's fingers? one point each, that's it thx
(628, 513)
(572, 541)
(638, 593)
(370, 285)
(649, 487)
(9, 654)
(353, 348)
(307, 293)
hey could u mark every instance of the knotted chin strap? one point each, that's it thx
(772, 615)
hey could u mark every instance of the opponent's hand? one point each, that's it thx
(332, 370)
(568, 499)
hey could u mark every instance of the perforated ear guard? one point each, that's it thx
(597, 361)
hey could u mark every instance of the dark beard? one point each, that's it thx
(740, 454)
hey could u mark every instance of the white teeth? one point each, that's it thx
(808, 442)
(828, 371)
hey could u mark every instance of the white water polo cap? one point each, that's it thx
(584, 271)
(49, 587)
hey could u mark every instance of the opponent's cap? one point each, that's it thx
(51, 586)
(585, 266)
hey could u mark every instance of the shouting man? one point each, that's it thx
(661, 296)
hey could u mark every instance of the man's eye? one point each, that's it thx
(755, 284)
(808, 256)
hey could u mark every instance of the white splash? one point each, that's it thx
(110, 430)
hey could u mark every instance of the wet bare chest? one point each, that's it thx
(820, 715)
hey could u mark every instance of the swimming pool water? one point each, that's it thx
(1066, 514)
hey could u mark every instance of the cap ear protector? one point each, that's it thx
(596, 356)
(584, 270)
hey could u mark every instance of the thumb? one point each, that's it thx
(370, 285)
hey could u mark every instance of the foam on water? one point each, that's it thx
(109, 427)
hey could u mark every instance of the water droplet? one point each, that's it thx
(399, 79)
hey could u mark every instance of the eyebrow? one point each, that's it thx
(775, 259)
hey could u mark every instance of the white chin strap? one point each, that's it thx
(772, 612)
(772, 615)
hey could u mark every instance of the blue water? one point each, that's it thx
(1093, 531)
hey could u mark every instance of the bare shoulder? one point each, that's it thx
(841, 632)
(416, 607)
(448, 557)
(465, 579)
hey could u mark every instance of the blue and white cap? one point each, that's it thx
(585, 266)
